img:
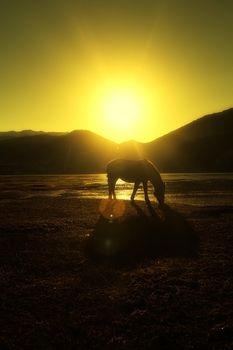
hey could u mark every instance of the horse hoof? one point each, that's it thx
(161, 206)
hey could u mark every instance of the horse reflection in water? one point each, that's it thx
(137, 172)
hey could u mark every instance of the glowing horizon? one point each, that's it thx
(124, 70)
(115, 139)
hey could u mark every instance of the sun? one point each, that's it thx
(122, 109)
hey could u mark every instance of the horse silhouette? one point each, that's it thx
(137, 172)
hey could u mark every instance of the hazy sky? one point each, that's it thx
(123, 69)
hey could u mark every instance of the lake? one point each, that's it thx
(181, 188)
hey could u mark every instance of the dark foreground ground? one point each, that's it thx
(153, 279)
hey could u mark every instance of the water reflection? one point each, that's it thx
(194, 189)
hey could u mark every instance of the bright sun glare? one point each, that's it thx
(122, 109)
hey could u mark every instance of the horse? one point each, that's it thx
(137, 172)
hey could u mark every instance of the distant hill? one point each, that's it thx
(204, 145)
(77, 152)
(4, 135)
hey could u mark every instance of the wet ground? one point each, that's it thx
(150, 279)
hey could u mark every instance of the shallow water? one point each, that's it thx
(186, 188)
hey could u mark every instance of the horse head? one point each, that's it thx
(159, 193)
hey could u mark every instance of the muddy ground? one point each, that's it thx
(72, 278)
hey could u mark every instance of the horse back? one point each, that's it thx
(128, 170)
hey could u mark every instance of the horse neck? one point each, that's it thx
(155, 178)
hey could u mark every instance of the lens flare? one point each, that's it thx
(112, 209)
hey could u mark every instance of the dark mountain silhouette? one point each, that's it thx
(4, 135)
(76, 152)
(204, 145)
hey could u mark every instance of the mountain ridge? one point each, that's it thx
(30, 132)
(205, 144)
(25, 133)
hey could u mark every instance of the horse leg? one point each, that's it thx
(136, 185)
(145, 191)
(111, 188)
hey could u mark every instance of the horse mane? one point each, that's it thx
(153, 166)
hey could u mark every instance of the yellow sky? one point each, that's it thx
(125, 70)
